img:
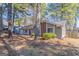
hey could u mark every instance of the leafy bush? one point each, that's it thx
(33, 34)
(49, 35)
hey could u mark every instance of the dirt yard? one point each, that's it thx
(26, 46)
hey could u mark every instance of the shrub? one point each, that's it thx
(49, 35)
(33, 34)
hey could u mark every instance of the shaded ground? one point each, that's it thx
(26, 46)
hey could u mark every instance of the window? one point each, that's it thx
(26, 31)
(50, 30)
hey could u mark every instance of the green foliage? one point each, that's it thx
(18, 21)
(33, 34)
(49, 35)
(65, 11)
(43, 9)
(20, 6)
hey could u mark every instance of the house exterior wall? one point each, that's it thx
(60, 31)
(43, 28)
(63, 31)
(50, 26)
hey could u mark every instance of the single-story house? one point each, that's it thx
(28, 29)
(54, 27)
(23, 29)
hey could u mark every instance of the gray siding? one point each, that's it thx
(58, 31)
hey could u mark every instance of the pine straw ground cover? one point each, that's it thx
(26, 46)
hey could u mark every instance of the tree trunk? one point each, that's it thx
(0, 20)
(14, 11)
(37, 21)
(10, 20)
(19, 25)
